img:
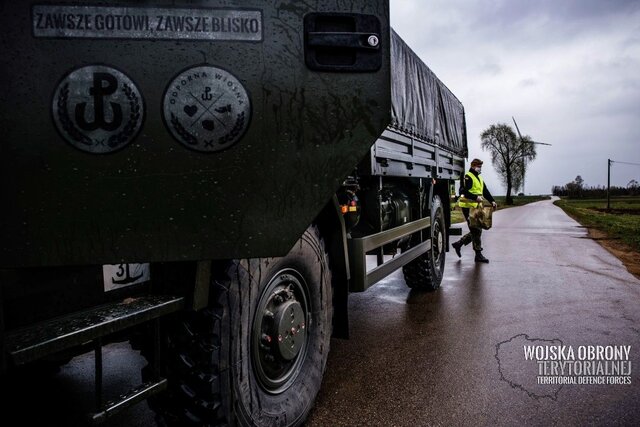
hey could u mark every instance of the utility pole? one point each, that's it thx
(608, 184)
(609, 163)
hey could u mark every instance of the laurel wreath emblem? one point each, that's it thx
(235, 131)
(134, 115)
(114, 140)
(187, 137)
(65, 120)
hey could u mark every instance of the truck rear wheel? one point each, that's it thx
(257, 354)
(425, 272)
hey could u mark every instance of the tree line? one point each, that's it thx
(577, 189)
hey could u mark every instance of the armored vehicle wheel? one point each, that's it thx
(256, 355)
(425, 272)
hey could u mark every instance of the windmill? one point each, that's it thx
(523, 159)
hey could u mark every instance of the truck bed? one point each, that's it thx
(427, 135)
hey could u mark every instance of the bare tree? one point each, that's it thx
(509, 154)
(574, 188)
(519, 170)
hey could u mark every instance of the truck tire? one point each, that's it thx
(425, 272)
(257, 354)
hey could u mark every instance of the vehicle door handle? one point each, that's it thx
(343, 42)
(344, 39)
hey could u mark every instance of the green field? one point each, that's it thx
(456, 214)
(621, 222)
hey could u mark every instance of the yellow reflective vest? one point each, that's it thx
(476, 188)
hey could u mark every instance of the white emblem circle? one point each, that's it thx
(98, 109)
(206, 108)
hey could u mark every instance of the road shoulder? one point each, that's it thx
(625, 253)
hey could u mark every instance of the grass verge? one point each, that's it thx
(621, 222)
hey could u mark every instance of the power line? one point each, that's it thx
(625, 163)
(609, 162)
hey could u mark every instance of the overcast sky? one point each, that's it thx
(567, 70)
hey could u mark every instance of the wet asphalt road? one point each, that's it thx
(453, 357)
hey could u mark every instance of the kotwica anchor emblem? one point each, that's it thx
(98, 109)
(98, 91)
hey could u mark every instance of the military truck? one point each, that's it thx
(207, 180)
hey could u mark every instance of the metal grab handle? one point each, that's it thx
(340, 39)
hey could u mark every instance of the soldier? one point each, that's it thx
(472, 192)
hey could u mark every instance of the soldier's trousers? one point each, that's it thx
(474, 235)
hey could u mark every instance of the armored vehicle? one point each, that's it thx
(207, 180)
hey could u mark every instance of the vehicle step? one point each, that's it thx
(126, 400)
(29, 344)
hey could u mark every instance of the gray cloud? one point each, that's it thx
(527, 82)
(566, 69)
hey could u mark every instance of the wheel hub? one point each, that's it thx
(280, 331)
(439, 242)
(289, 322)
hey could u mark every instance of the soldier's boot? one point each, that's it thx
(480, 257)
(457, 246)
(464, 241)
